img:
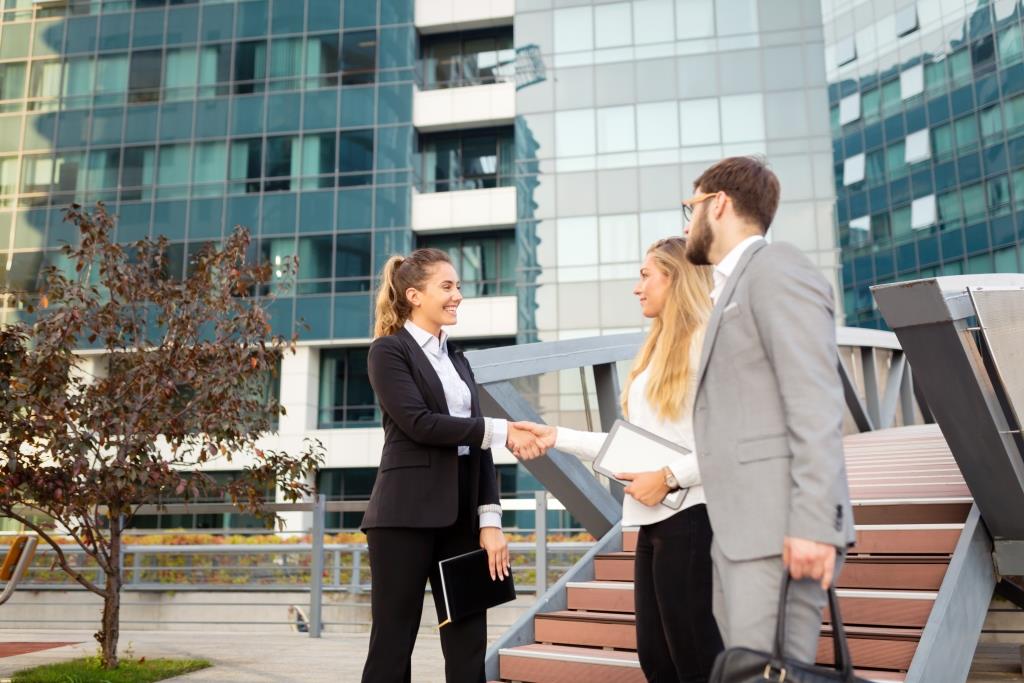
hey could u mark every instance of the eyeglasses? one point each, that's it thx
(688, 204)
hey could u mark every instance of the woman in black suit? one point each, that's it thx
(436, 493)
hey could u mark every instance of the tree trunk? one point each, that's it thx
(111, 629)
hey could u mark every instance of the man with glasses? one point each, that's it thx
(768, 414)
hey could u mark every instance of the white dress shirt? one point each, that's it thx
(644, 415)
(728, 264)
(458, 397)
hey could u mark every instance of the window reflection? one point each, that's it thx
(467, 161)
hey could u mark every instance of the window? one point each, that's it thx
(983, 55)
(966, 129)
(69, 173)
(935, 77)
(78, 82)
(209, 168)
(322, 61)
(906, 20)
(1010, 47)
(214, 70)
(45, 80)
(849, 109)
(912, 82)
(916, 147)
(103, 168)
(352, 264)
(180, 74)
(358, 57)
(949, 210)
(355, 157)
(896, 160)
(227, 520)
(870, 103)
(881, 229)
(1013, 110)
(486, 263)
(1018, 189)
(281, 162)
(991, 120)
(891, 96)
(138, 173)
(246, 165)
(318, 160)
(285, 63)
(8, 175)
(846, 51)
(470, 58)
(960, 67)
(923, 212)
(172, 171)
(875, 162)
(942, 141)
(144, 76)
(853, 170)
(998, 195)
(346, 397)
(12, 83)
(467, 161)
(974, 202)
(860, 230)
(250, 66)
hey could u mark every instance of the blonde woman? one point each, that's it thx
(677, 637)
(436, 494)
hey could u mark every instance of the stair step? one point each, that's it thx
(614, 566)
(935, 511)
(563, 664)
(908, 608)
(877, 648)
(629, 540)
(893, 572)
(588, 629)
(906, 539)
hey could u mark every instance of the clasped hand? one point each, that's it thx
(529, 440)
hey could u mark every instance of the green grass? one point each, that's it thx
(88, 670)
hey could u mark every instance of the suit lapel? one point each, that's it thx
(425, 369)
(716, 314)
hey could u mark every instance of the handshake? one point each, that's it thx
(529, 440)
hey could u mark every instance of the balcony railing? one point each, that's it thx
(482, 68)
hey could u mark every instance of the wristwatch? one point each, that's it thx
(670, 479)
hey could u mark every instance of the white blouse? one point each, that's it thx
(642, 414)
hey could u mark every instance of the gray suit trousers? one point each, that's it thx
(746, 605)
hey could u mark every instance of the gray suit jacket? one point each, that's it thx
(769, 409)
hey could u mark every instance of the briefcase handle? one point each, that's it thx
(840, 648)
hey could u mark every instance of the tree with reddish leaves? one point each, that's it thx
(179, 381)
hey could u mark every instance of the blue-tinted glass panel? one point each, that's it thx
(176, 121)
(182, 25)
(140, 124)
(278, 214)
(211, 118)
(396, 12)
(169, 219)
(323, 15)
(205, 218)
(283, 113)
(952, 245)
(287, 17)
(360, 13)
(114, 31)
(133, 221)
(352, 316)
(217, 22)
(252, 19)
(149, 28)
(314, 313)
(49, 38)
(358, 57)
(81, 35)
(247, 116)
(321, 109)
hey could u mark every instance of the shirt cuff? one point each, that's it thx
(495, 432)
(686, 471)
(490, 516)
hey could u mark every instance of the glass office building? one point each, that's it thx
(927, 106)
(543, 144)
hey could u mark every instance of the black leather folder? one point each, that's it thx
(467, 586)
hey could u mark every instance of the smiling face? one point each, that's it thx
(435, 303)
(653, 288)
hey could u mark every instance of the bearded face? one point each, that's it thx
(699, 240)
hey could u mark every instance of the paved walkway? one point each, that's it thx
(236, 657)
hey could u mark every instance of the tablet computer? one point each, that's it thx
(629, 448)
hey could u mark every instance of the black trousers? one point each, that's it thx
(676, 633)
(402, 560)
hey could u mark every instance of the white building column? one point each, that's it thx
(300, 386)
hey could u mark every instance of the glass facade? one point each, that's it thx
(927, 115)
(291, 117)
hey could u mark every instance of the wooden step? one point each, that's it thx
(614, 566)
(906, 539)
(893, 572)
(937, 511)
(562, 663)
(588, 629)
(859, 607)
(629, 540)
(872, 647)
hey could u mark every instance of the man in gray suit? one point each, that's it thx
(767, 415)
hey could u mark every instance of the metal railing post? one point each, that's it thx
(316, 568)
(540, 528)
(336, 569)
(355, 581)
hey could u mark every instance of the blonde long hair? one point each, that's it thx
(398, 275)
(681, 323)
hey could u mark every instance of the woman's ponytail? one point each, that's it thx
(388, 319)
(399, 274)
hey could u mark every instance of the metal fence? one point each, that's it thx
(316, 565)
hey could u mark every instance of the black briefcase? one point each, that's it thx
(743, 665)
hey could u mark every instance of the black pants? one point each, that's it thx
(401, 562)
(676, 634)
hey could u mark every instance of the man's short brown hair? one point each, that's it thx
(751, 185)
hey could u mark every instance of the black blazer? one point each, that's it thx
(418, 481)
